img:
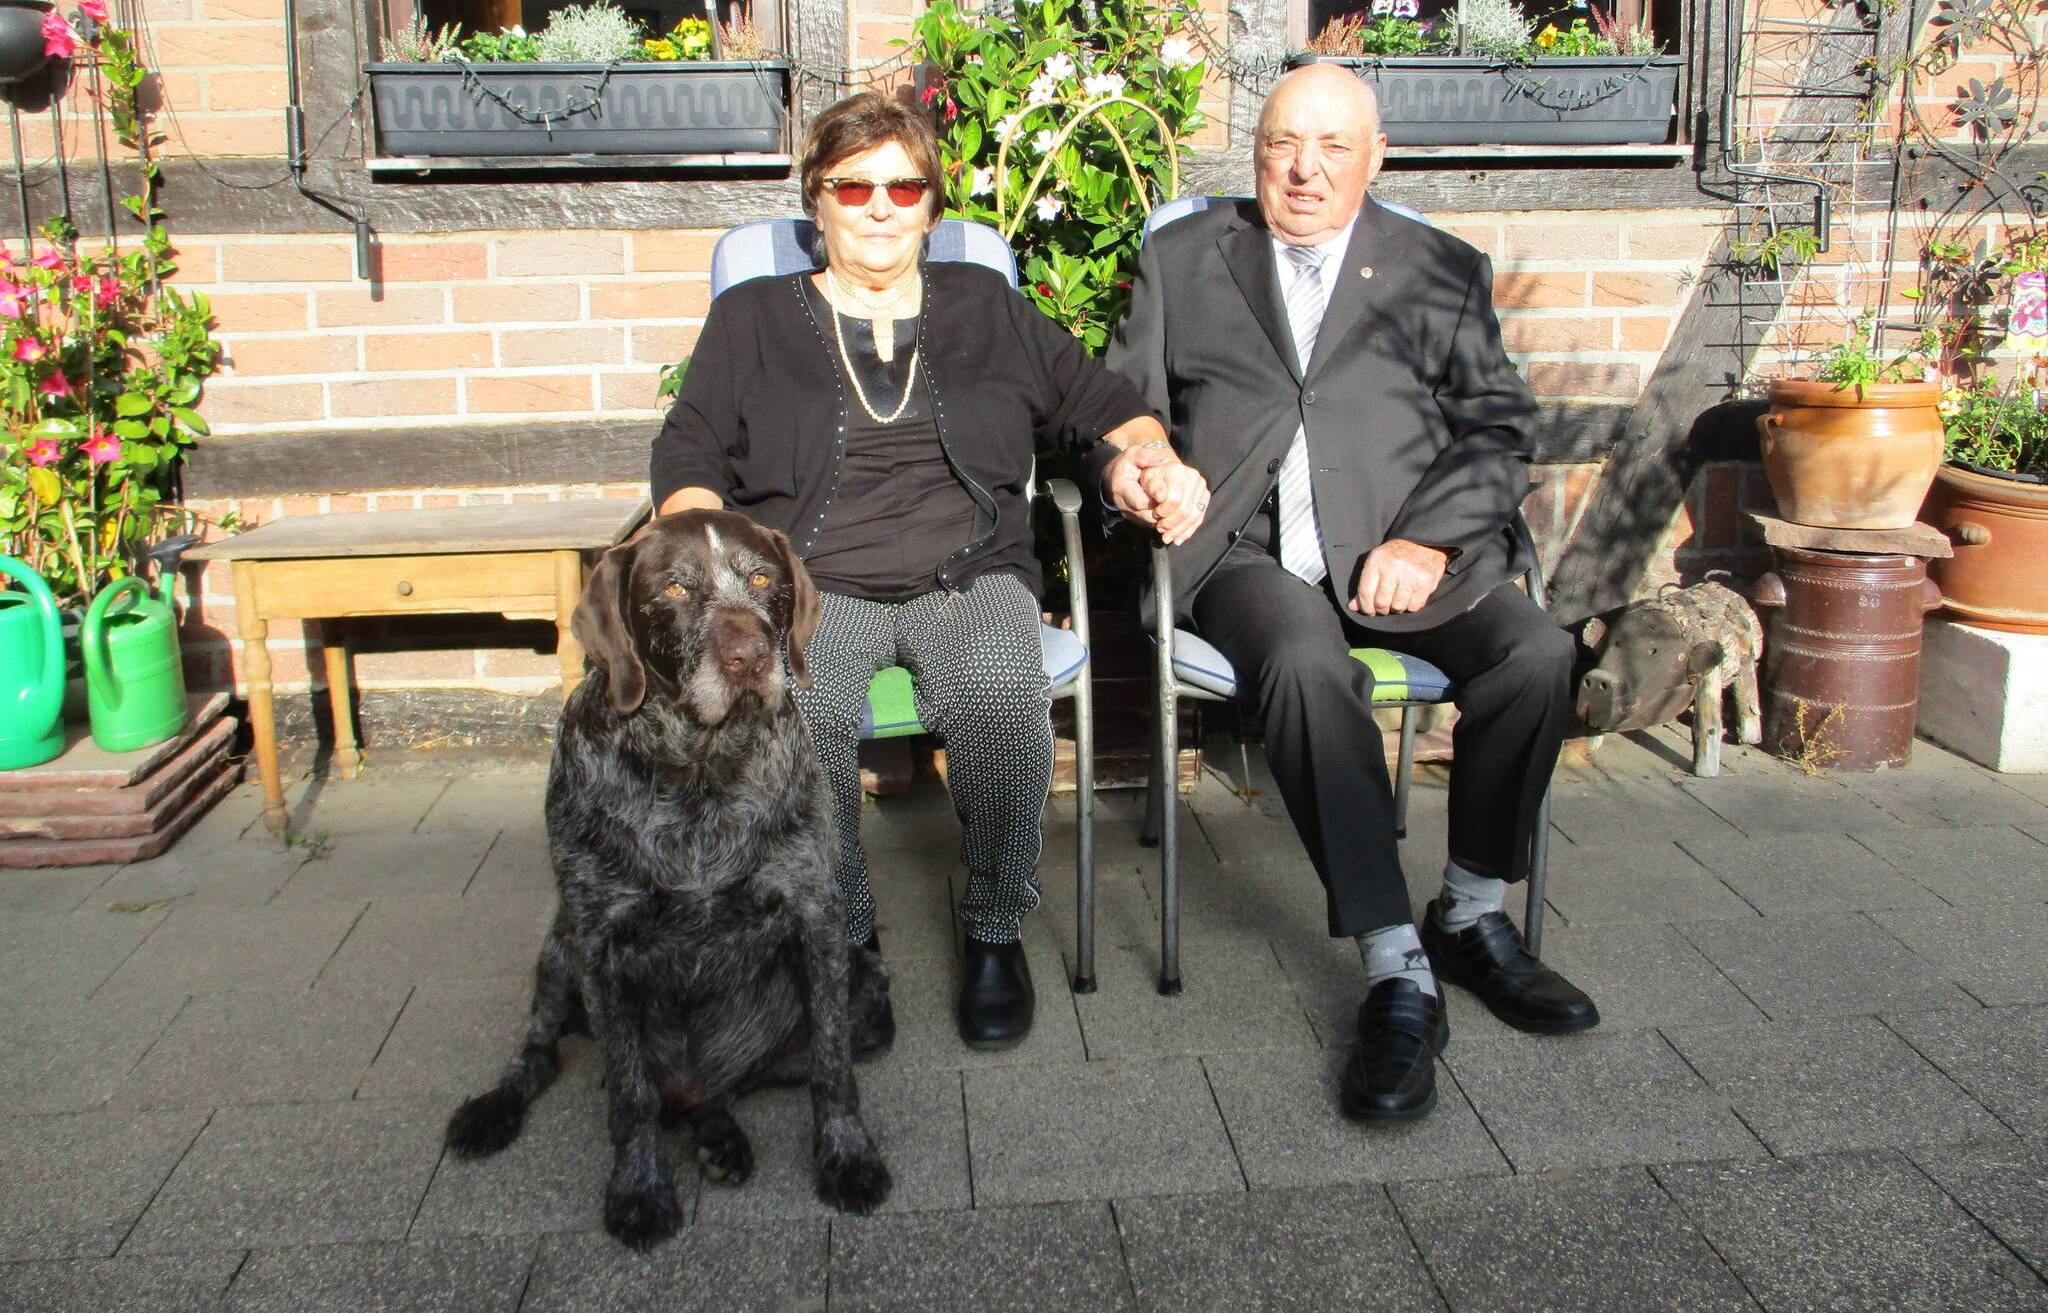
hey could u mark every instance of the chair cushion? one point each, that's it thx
(892, 706)
(768, 248)
(1396, 676)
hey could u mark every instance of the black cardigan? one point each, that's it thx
(761, 418)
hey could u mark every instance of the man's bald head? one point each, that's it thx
(1319, 146)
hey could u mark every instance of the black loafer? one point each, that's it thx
(1490, 959)
(1391, 1076)
(996, 999)
(874, 1018)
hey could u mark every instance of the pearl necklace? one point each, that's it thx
(880, 313)
(853, 376)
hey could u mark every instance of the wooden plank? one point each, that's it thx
(85, 765)
(137, 797)
(519, 584)
(118, 825)
(535, 526)
(23, 854)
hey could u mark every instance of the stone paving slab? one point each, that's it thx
(917, 1119)
(475, 1276)
(1818, 966)
(1807, 873)
(518, 868)
(1282, 1112)
(1054, 1259)
(1606, 810)
(2003, 1186)
(182, 1283)
(1979, 865)
(1999, 954)
(429, 938)
(493, 801)
(53, 958)
(238, 872)
(927, 1035)
(69, 1055)
(913, 912)
(1126, 908)
(296, 1174)
(1277, 896)
(365, 866)
(1850, 1234)
(1234, 998)
(203, 950)
(1642, 976)
(1281, 1249)
(377, 803)
(1999, 1055)
(1631, 883)
(1786, 804)
(551, 1178)
(1594, 1100)
(1095, 1131)
(454, 1037)
(264, 1047)
(769, 1267)
(1805, 1086)
(51, 892)
(1595, 1241)
(75, 1185)
(1944, 798)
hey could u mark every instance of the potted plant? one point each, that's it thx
(1991, 499)
(1491, 77)
(593, 82)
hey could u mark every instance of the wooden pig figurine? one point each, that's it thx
(1686, 647)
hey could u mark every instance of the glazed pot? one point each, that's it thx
(21, 38)
(1848, 457)
(1999, 526)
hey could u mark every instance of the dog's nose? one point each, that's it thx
(742, 648)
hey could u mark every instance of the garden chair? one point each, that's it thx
(1189, 667)
(769, 247)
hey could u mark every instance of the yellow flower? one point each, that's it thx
(1548, 36)
(1951, 402)
(660, 48)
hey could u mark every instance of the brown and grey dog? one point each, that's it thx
(700, 935)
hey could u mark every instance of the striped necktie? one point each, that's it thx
(1301, 538)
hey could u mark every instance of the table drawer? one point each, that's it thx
(514, 583)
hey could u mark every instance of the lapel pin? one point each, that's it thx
(1365, 271)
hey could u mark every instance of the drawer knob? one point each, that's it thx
(404, 588)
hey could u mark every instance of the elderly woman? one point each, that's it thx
(883, 412)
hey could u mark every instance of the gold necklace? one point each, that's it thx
(866, 300)
(853, 377)
(880, 314)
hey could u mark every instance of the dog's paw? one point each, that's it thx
(851, 1175)
(725, 1155)
(641, 1216)
(486, 1123)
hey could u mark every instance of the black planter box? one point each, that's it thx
(1440, 100)
(634, 109)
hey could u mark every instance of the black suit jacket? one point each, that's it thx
(1418, 427)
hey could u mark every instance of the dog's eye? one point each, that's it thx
(676, 590)
(759, 579)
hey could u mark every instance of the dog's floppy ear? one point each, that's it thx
(805, 610)
(603, 625)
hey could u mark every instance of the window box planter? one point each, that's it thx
(1442, 100)
(699, 108)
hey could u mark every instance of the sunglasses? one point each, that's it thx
(855, 192)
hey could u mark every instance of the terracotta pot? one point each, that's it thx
(1852, 458)
(2000, 530)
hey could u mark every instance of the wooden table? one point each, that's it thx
(525, 562)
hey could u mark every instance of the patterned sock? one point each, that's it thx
(1396, 950)
(1467, 896)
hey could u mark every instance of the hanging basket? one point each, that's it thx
(21, 38)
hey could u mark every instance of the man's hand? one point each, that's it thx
(1151, 486)
(1399, 576)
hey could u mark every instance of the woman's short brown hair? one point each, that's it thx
(860, 123)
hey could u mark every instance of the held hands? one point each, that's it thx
(1399, 576)
(1151, 486)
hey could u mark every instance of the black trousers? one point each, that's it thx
(1289, 642)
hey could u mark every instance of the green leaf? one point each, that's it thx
(190, 419)
(131, 430)
(133, 403)
(63, 430)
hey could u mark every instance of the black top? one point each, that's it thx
(763, 415)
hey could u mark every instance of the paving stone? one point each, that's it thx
(552, 1178)
(1786, 804)
(1664, 752)
(1234, 998)
(1973, 865)
(453, 1038)
(772, 1267)
(1282, 1112)
(1805, 873)
(1053, 1259)
(436, 938)
(227, 866)
(74, 1185)
(1594, 1100)
(183, 1283)
(203, 950)
(518, 868)
(1643, 976)
(360, 866)
(1820, 966)
(1849, 1234)
(1633, 883)
(1275, 897)
(475, 1276)
(2003, 1186)
(1605, 811)
(913, 911)
(1806, 1086)
(49, 893)
(1095, 1131)
(921, 990)
(489, 802)
(1329, 979)
(1946, 797)
(373, 804)
(1597, 1241)
(53, 958)
(69, 1055)
(1277, 1249)
(1999, 954)
(916, 1117)
(296, 1174)
(264, 1047)
(1997, 1054)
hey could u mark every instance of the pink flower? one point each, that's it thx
(30, 349)
(43, 451)
(56, 385)
(103, 447)
(58, 38)
(108, 291)
(12, 304)
(96, 10)
(51, 259)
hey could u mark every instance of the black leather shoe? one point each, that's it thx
(1392, 1074)
(1490, 959)
(996, 999)
(874, 1018)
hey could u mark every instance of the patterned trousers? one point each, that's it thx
(979, 679)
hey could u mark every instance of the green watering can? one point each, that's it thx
(134, 679)
(31, 671)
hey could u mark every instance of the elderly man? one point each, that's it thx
(1336, 370)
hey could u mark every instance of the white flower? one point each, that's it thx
(1008, 129)
(1381, 8)
(1103, 84)
(1178, 52)
(1048, 208)
(1059, 68)
(1044, 140)
(1407, 8)
(1044, 91)
(984, 182)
